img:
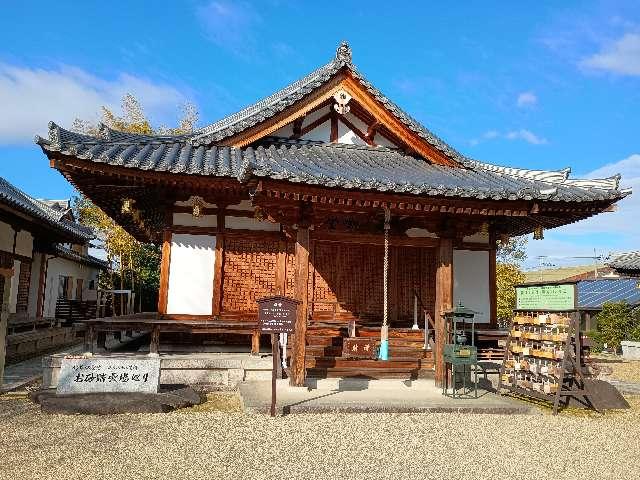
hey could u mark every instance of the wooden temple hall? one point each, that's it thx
(327, 192)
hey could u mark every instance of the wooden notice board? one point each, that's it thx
(276, 315)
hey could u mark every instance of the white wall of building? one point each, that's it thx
(24, 243)
(62, 267)
(471, 282)
(6, 237)
(188, 220)
(191, 271)
(34, 282)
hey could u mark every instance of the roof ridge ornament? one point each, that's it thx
(343, 53)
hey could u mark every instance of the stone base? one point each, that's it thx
(116, 402)
(209, 371)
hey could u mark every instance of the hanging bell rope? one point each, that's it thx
(384, 331)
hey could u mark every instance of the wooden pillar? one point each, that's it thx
(7, 273)
(493, 292)
(102, 340)
(154, 345)
(443, 301)
(255, 342)
(301, 294)
(163, 294)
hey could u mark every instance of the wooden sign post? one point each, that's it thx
(276, 315)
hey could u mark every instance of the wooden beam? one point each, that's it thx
(493, 288)
(163, 294)
(334, 127)
(301, 294)
(355, 130)
(218, 276)
(443, 301)
(313, 125)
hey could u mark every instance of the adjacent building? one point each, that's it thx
(47, 252)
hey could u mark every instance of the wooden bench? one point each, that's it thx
(241, 323)
(29, 344)
(21, 321)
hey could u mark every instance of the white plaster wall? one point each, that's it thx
(187, 219)
(321, 133)
(189, 203)
(24, 243)
(13, 293)
(6, 237)
(471, 282)
(384, 141)
(345, 135)
(191, 270)
(284, 132)
(313, 116)
(61, 266)
(244, 223)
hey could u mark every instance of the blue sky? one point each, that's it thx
(547, 85)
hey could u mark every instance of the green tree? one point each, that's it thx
(134, 265)
(509, 257)
(617, 321)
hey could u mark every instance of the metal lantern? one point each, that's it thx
(127, 203)
(198, 206)
(538, 233)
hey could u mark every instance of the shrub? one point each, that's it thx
(617, 321)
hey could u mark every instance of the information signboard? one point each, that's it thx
(103, 374)
(277, 314)
(546, 297)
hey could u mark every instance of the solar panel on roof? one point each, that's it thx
(594, 293)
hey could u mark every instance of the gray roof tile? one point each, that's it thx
(40, 210)
(337, 165)
(629, 261)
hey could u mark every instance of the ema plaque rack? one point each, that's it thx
(544, 359)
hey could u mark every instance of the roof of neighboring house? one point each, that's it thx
(628, 262)
(40, 210)
(90, 260)
(559, 274)
(592, 294)
(330, 165)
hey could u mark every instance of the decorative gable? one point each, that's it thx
(334, 104)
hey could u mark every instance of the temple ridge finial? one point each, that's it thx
(343, 53)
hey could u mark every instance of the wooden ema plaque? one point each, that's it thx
(359, 348)
(276, 315)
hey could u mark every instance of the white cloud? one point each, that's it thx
(30, 97)
(526, 135)
(607, 232)
(621, 57)
(522, 134)
(527, 99)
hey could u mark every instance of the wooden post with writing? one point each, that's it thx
(443, 301)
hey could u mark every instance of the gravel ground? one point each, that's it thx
(616, 368)
(207, 444)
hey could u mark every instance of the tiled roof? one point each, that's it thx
(15, 198)
(69, 254)
(330, 165)
(593, 293)
(629, 261)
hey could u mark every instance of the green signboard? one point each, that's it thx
(546, 297)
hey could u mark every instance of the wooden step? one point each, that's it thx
(406, 363)
(369, 373)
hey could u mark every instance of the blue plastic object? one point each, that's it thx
(384, 350)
